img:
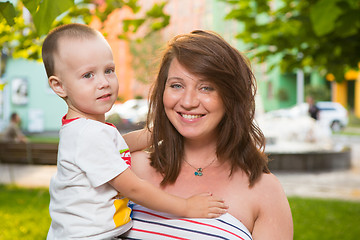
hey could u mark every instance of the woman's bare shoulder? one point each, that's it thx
(140, 165)
(140, 161)
(268, 182)
(274, 210)
(270, 178)
(140, 156)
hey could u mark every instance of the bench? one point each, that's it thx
(28, 153)
(310, 161)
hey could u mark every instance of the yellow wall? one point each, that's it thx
(339, 90)
(357, 97)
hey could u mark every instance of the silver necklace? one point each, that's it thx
(199, 171)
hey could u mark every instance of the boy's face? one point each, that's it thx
(86, 70)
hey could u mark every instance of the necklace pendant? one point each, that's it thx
(198, 172)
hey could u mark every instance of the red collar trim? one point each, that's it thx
(110, 124)
(65, 121)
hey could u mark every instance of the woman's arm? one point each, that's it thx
(274, 220)
(143, 193)
(138, 140)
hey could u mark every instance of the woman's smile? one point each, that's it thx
(191, 116)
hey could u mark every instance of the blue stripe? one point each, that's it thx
(130, 238)
(234, 227)
(180, 228)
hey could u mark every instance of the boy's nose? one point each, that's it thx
(103, 82)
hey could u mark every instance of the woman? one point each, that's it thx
(204, 139)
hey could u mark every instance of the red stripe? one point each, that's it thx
(152, 214)
(205, 224)
(157, 233)
(192, 221)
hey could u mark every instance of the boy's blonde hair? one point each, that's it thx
(50, 45)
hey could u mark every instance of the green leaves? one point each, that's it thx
(323, 16)
(44, 12)
(317, 34)
(47, 13)
(132, 24)
(21, 37)
(8, 12)
(155, 19)
(31, 5)
(160, 19)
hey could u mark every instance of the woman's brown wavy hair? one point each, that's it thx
(240, 141)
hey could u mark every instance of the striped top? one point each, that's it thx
(149, 224)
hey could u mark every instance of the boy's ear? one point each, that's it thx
(57, 86)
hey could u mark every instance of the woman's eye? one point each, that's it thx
(88, 75)
(175, 85)
(207, 88)
(109, 71)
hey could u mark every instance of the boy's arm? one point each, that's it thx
(147, 195)
(138, 140)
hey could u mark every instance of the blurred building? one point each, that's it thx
(27, 91)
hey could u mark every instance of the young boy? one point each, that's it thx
(93, 159)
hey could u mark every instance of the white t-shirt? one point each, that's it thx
(83, 204)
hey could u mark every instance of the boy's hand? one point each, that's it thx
(205, 205)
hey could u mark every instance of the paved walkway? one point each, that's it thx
(334, 184)
(26, 175)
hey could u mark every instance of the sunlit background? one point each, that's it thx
(297, 49)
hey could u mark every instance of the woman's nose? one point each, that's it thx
(190, 99)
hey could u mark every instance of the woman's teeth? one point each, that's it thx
(187, 116)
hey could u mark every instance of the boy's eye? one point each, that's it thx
(109, 71)
(88, 75)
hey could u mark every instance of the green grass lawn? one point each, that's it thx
(325, 219)
(24, 215)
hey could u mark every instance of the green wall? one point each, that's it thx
(44, 108)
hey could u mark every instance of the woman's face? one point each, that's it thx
(192, 104)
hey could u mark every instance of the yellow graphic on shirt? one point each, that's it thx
(122, 212)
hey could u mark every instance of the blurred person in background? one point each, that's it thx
(313, 109)
(13, 132)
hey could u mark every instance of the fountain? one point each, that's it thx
(296, 142)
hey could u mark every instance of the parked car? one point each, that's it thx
(290, 125)
(334, 114)
(132, 112)
(331, 114)
(293, 112)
